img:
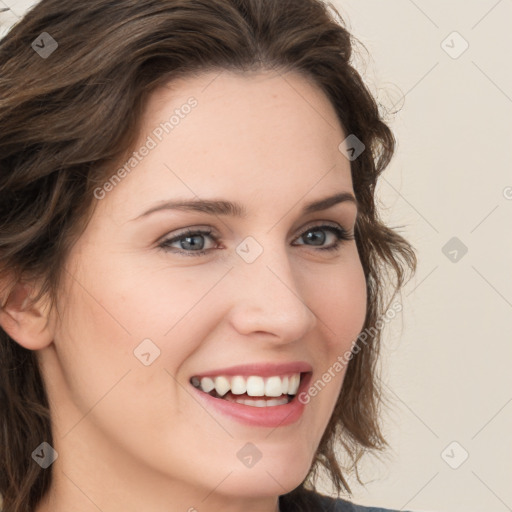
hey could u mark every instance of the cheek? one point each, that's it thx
(104, 319)
(133, 299)
(341, 306)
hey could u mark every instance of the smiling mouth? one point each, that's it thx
(253, 390)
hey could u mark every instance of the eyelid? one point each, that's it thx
(341, 233)
(183, 232)
(320, 222)
(316, 223)
(347, 227)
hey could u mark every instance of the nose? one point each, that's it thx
(268, 296)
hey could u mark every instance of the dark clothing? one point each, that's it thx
(315, 502)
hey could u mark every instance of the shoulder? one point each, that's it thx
(327, 504)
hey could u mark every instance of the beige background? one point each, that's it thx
(447, 358)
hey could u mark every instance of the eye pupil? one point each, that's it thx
(193, 245)
(316, 235)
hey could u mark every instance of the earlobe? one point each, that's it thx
(28, 325)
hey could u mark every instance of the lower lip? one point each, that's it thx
(273, 416)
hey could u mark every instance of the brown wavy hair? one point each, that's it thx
(68, 119)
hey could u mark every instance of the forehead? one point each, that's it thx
(248, 104)
(260, 134)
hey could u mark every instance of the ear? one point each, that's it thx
(28, 325)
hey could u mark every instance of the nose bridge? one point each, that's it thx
(268, 296)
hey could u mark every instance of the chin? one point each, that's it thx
(270, 478)
(261, 484)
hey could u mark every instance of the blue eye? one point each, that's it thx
(192, 238)
(186, 238)
(340, 234)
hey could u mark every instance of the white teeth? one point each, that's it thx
(254, 385)
(284, 385)
(281, 401)
(273, 387)
(238, 385)
(207, 384)
(293, 385)
(258, 403)
(222, 385)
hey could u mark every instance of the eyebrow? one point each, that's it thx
(222, 207)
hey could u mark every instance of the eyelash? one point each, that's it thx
(341, 235)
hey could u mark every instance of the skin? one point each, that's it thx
(132, 437)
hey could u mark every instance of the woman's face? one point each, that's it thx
(145, 310)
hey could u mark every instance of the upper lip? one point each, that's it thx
(260, 369)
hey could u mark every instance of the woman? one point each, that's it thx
(191, 261)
